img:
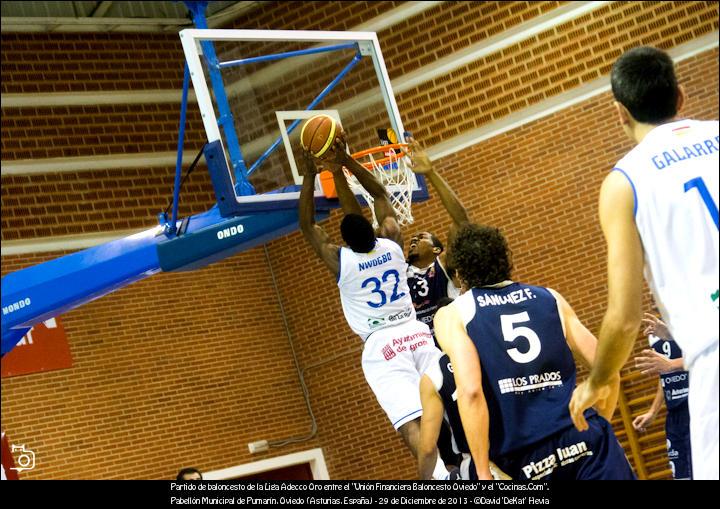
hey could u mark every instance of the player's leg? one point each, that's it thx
(703, 404)
(410, 433)
(390, 371)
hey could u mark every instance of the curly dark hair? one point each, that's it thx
(481, 255)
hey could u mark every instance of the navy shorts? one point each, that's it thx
(677, 429)
(570, 454)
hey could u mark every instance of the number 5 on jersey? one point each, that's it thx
(510, 333)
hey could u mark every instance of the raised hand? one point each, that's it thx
(641, 422)
(420, 160)
(336, 156)
(652, 363)
(308, 168)
(653, 325)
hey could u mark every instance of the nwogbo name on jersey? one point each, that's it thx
(374, 262)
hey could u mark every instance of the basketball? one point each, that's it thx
(319, 133)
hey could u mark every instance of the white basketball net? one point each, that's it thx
(399, 180)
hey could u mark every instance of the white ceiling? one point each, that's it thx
(110, 16)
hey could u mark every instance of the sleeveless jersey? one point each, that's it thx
(373, 288)
(427, 287)
(674, 175)
(444, 381)
(528, 372)
(676, 383)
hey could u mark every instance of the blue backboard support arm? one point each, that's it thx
(171, 225)
(220, 178)
(287, 54)
(225, 119)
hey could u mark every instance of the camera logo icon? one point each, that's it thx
(25, 460)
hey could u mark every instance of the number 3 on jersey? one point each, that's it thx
(379, 290)
(511, 333)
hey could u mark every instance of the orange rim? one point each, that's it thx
(381, 148)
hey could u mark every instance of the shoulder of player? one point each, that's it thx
(389, 243)
(439, 261)
(463, 308)
(617, 192)
(564, 308)
(558, 296)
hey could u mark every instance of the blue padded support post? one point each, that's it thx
(12, 338)
(220, 178)
(54, 287)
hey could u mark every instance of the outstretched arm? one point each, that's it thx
(334, 161)
(430, 424)
(423, 166)
(314, 234)
(389, 226)
(454, 341)
(620, 326)
(641, 422)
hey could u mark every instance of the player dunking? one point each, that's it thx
(429, 278)
(372, 280)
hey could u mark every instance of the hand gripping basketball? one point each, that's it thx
(319, 134)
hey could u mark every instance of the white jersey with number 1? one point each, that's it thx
(373, 288)
(674, 175)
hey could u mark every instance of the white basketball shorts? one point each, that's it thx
(393, 360)
(703, 404)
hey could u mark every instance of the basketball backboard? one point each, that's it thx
(254, 88)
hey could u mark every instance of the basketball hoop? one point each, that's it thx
(394, 172)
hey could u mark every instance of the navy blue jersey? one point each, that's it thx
(528, 372)
(426, 289)
(448, 394)
(675, 384)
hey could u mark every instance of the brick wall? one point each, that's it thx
(181, 369)
(90, 62)
(188, 368)
(538, 183)
(521, 75)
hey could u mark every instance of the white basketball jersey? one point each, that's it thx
(373, 288)
(674, 174)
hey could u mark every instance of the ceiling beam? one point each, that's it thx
(100, 9)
